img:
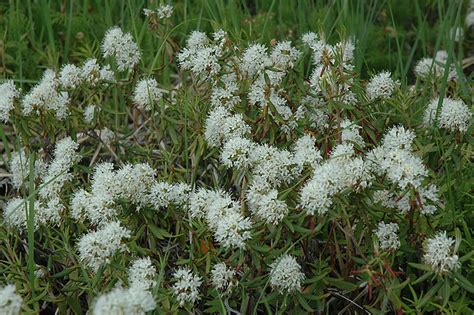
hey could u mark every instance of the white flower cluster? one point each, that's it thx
(454, 115)
(53, 176)
(439, 254)
(350, 133)
(381, 86)
(16, 210)
(146, 93)
(427, 200)
(90, 74)
(469, 21)
(226, 96)
(395, 159)
(131, 182)
(65, 156)
(222, 125)
(163, 194)
(133, 301)
(223, 277)
(98, 247)
(89, 113)
(8, 94)
(164, 11)
(20, 167)
(331, 79)
(201, 56)
(270, 167)
(342, 170)
(270, 94)
(286, 275)
(51, 93)
(428, 68)
(121, 46)
(222, 215)
(142, 273)
(46, 96)
(10, 301)
(137, 299)
(186, 286)
(387, 235)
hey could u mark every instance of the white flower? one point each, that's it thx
(263, 202)
(286, 275)
(142, 274)
(310, 38)
(306, 153)
(402, 167)
(223, 277)
(197, 40)
(46, 96)
(165, 11)
(133, 301)
(20, 167)
(134, 182)
(387, 235)
(236, 153)
(162, 194)
(222, 125)
(342, 151)
(10, 301)
(50, 211)
(106, 135)
(233, 230)
(350, 133)
(316, 194)
(15, 212)
(398, 137)
(98, 247)
(98, 206)
(454, 115)
(332, 176)
(92, 73)
(186, 286)
(254, 59)
(146, 93)
(65, 155)
(428, 68)
(428, 194)
(121, 46)
(317, 45)
(284, 55)
(8, 94)
(226, 97)
(469, 19)
(381, 86)
(200, 57)
(274, 165)
(439, 254)
(222, 215)
(70, 76)
(89, 112)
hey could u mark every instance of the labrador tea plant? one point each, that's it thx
(267, 178)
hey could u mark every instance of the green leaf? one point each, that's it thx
(420, 266)
(463, 282)
(302, 301)
(430, 294)
(159, 232)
